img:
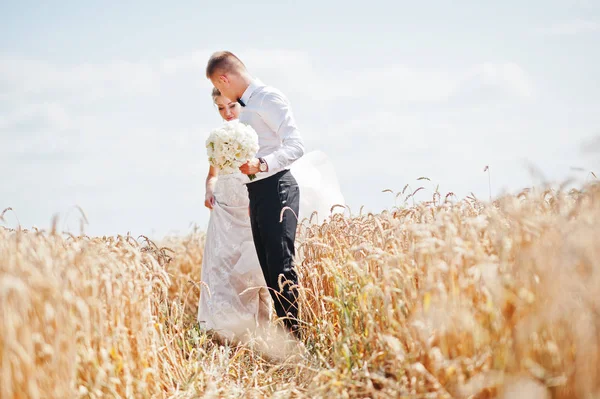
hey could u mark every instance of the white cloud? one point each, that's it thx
(571, 28)
(32, 117)
(195, 60)
(493, 82)
(404, 131)
(34, 79)
(584, 3)
(400, 84)
(43, 132)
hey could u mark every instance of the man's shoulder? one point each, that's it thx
(271, 93)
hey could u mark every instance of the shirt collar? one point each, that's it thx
(254, 84)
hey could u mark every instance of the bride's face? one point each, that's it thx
(228, 109)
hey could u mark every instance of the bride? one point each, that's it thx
(234, 296)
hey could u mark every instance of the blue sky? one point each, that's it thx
(105, 105)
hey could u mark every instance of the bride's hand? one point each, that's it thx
(209, 200)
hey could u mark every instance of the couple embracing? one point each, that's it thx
(248, 263)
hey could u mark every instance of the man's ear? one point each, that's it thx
(223, 79)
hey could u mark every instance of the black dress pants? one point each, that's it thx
(274, 235)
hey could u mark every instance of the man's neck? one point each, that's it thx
(246, 80)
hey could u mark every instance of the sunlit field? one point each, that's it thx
(446, 298)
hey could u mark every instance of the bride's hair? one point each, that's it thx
(215, 93)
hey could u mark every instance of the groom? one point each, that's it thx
(274, 191)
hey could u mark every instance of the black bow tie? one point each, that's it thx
(241, 102)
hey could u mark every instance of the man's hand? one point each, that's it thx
(251, 167)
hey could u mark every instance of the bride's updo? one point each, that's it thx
(215, 94)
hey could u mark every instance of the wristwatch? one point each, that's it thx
(263, 165)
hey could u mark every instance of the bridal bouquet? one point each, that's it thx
(231, 146)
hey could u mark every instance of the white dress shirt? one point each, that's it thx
(269, 113)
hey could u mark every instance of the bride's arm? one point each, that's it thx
(211, 180)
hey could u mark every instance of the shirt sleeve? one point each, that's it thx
(277, 114)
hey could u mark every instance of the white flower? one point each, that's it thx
(231, 146)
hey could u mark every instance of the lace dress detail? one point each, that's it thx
(233, 296)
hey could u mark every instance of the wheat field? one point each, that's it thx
(445, 298)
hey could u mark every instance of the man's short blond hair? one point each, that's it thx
(223, 62)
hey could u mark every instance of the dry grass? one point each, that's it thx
(440, 299)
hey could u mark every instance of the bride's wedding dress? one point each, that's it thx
(234, 296)
(233, 293)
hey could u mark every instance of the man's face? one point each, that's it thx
(223, 84)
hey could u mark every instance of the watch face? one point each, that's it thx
(263, 167)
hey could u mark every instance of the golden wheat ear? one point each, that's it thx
(286, 208)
